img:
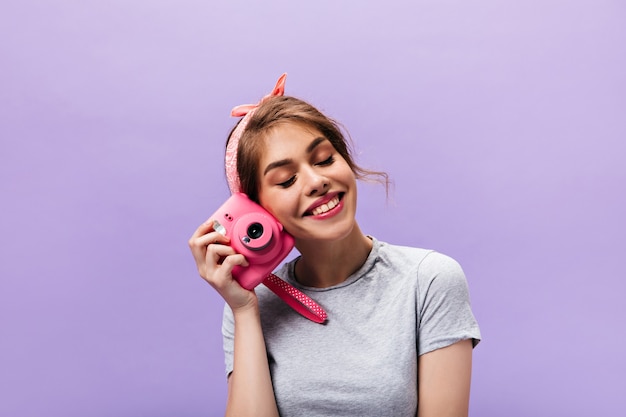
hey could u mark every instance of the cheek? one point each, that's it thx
(346, 174)
(265, 201)
(285, 206)
(274, 201)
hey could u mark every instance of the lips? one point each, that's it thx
(324, 205)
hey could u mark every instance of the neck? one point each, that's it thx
(324, 264)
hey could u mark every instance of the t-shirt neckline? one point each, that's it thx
(367, 265)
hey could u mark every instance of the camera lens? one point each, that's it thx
(255, 230)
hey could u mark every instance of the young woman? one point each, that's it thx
(400, 331)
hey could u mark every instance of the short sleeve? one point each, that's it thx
(444, 309)
(228, 338)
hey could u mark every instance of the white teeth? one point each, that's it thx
(326, 207)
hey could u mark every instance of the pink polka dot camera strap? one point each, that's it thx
(296, 299)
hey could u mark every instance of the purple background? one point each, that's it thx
(501, 123)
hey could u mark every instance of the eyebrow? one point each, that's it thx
(277, 164)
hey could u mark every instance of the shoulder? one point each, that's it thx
(427, 262)
(437, 264)
(401, 257)
(442, 275)
(431, 269)
(443, 304)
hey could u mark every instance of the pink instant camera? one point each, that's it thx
(255, 234)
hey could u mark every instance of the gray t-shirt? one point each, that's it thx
(403, 302)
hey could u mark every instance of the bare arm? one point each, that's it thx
(444, 381)
(250, 391)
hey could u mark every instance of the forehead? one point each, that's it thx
(288, 140)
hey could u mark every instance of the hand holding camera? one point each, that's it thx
(257, 244)
(255, 234)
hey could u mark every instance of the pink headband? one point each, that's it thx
(245, 110)
(299, 301)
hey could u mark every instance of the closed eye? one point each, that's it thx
(327, 161)
(288, 183)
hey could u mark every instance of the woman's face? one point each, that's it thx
(306, 184)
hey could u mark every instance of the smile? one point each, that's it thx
(326, 207)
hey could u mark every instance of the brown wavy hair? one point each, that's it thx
(285, 109)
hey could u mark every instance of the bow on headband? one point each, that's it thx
(245, 110)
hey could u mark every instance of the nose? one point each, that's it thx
(316, 184)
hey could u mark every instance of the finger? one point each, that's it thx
(209, 238)
(223, 258)
(216, 253)
(237, 259)
(199, 245)
(223, 275)
(203, 229)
